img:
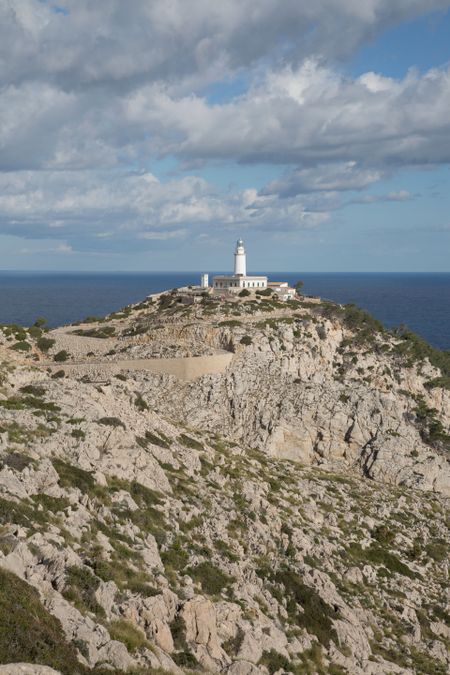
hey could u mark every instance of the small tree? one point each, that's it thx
(40, 321)
(298, 286)
(244, 293)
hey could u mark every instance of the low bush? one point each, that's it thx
(230, 323)
(131, 636)
(140, 403)
(44, 344)
(274, 661)
(61, 356)
(80, 588)
(102, 333)
(211, 578)
(189, 442)
(246, 340)
(316, 616)
(111, 422)
(73, 476)
(21, 346)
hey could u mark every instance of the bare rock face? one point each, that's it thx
(289, 514)
(304, 398)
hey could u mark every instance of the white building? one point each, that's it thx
(282, 289)
(234, 283)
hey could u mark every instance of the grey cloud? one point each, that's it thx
(120, 43)
(326, 178)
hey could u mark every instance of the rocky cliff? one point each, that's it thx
(289, 514)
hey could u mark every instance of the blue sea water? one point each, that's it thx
(421, 301)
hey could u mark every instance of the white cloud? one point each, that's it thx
(89, 89)
(97, 210)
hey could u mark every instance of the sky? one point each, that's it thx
(151, 134)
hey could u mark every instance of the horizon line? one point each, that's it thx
(99, 272)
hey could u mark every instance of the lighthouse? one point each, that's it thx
(240, 263)
(236, 282)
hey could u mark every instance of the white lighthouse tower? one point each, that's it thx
(240, 263)
(236, 282)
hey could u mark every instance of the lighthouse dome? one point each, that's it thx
(240, 242)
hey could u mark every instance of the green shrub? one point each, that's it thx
(437, 550)
(211, 578)
(178, 630)
(73, 476)
(316, 616)
(442, 382)
(231, 323)
(61, 356)
(140, 403)
(246, 340)
(44, 343)
(155, 439)
(21, 346)
(78, 433)
(185, 660)
(189, 442)
(274, 661)
(58, 375)
(102, 333)
(175, 558)
(35, 332)
(80, 588)
(40, 321)
(28, 632)
(131, 636)
(244, 293)
(33, 389)
(111, 422)
(378, 555)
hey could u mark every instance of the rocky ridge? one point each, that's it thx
(266, 519)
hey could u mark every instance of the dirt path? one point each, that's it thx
(186, 369)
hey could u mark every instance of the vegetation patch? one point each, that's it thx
(211, 578)
(80, 588)
(378, 555)
(230, 323)
(111, 422)
(44, 344)
(274, 661)
(190, 442)
(306, 608)
(61, 356)
(22, 346)
(131, 636)
(103, 332)
(28, 633)
(73, 477)
(16, 460)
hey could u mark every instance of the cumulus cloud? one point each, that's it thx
(92, 209)
(310, 116)
(88, 90)
(78, 42)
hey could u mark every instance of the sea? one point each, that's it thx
(420, 301)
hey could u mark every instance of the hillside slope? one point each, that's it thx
(263, 519)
